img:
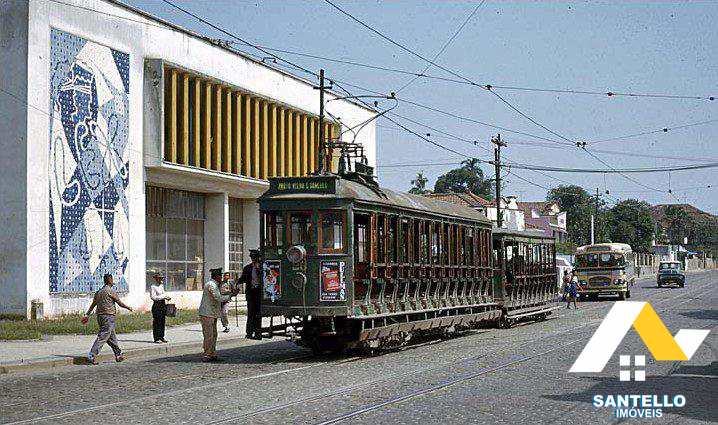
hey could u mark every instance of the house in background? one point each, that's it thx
(513, 216)
(545, 216)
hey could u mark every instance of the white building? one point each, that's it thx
(512, 215)
(131, 146)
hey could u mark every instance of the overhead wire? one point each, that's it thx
(444, 47)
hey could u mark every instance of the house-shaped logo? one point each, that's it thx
(644, 319)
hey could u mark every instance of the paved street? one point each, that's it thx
(516, 375)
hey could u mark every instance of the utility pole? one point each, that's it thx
(322, 146)
(497, 168)
(596, 214)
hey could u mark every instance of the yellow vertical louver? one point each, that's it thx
(211, 125)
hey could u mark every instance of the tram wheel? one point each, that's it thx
(327, 345)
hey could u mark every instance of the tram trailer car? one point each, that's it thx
(350, 264)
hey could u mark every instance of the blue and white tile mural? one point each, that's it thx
(89, 164)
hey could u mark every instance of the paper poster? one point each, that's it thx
(272, 272)
(331, 281)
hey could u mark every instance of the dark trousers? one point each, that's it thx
(254, 317)
(159, 309)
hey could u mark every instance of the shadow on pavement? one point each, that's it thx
(701, 314)
(699, 390)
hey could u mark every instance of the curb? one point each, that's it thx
(164, 349)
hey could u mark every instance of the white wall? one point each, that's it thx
(14, 213)
(25, 132)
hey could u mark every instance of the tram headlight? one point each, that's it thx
(299, 280)
(296, 254)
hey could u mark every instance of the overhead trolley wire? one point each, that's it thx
(444, 47)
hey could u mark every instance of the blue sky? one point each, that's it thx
(656, 47)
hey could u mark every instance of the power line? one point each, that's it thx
(487, 87)
(661, 130)
(444, 47)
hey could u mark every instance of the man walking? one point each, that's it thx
(252, 278)
(209, 310)
(105, 300)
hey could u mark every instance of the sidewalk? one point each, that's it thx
(63, 350)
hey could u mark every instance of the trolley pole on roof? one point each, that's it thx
(497, 167)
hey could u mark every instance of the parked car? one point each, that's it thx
(562, 266)
(671, 272)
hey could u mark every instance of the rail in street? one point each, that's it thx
(518, 375)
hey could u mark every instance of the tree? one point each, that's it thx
(632, 223)
(677, 224)
(579, 205)
(418, 185)
(467, 178)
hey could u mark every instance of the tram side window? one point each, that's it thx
(273, 229)
(361, 238)
(380, 239)
(418, 241)
(391, 246)
(435, 246)
(332, 231)
(404, 242)
(469, 246)
(300, 228)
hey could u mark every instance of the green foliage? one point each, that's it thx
(467, 178)
(632, 223)
(418, 185)
(70, 324)
(677, 224)
(579, 205)
(567, 248)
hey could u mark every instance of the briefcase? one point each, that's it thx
(171, 310)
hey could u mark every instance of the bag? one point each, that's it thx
(170, 310)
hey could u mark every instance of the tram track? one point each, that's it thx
(459, 380)
(344, 390)
(349, 389)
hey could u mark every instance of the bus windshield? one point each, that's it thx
(605, 259)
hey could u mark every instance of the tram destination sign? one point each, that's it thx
(303, 185)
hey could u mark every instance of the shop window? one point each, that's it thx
(175, 238)
(331, 231)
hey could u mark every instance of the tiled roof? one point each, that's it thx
(539, 206)
(465, 198)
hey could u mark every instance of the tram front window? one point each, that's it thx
(300, 228)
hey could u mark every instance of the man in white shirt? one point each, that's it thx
(159, 308)
(209, 310)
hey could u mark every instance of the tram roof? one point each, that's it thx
(526, 234)
(336, 187)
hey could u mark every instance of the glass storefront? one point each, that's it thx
(236, 241)
(175, 238)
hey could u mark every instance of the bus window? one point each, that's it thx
(331, 231)
(300, 227)
(612, 260)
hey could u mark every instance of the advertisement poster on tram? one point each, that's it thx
(272, 289)
(332, 284)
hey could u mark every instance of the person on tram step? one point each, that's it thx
(159, 308)
(252, 279)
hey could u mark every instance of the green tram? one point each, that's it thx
(350, 264)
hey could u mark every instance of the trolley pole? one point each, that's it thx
(497, 168)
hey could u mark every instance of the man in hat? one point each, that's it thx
(252, 278)
(209, 310)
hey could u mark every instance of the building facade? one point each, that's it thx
(547, 217)
(512, 216)
(133, 146)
